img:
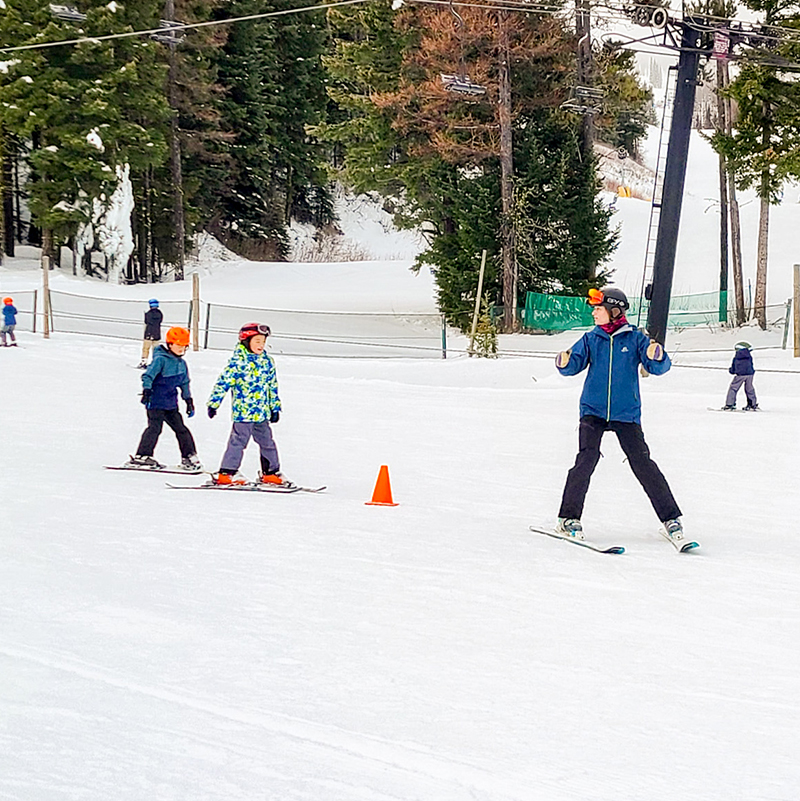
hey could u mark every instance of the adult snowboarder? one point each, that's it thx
(612, 352)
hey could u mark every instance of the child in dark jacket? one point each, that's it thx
(152, 330)
(160, 384)
(9, 322)
(742, 371)
(612, 351)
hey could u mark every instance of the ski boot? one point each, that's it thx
(569, 528)
(145, 462)
(225, 479)
(275, 479)
(191, 464)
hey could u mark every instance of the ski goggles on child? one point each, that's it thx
(253, 329)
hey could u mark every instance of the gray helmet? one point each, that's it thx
(614, 298)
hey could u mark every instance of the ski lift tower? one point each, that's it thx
(694, 37)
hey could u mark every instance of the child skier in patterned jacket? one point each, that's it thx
(253, 383)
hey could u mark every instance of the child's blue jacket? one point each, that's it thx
(166, 374)
(611, 389)
(9, 314)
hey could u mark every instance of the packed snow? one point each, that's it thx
(169, 644)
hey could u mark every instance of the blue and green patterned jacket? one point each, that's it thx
(253, 384)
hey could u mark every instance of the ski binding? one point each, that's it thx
(583, 543)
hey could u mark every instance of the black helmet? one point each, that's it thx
(610, 297)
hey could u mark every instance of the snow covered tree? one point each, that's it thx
(88, 109)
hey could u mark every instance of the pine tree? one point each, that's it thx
(764, 149)
(438, 155)
(485, 344)
(88, 109)
(270, 70)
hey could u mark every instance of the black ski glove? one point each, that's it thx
(146, 395)
(274, 417)
(212, 412)
(189, 407)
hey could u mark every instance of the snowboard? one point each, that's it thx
(583, 543)
(174, 469)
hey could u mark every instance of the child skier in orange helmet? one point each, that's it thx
(161, 381)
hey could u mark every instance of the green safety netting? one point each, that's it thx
(561, 313)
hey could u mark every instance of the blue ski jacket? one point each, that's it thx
(742, 363)
(9, 314)
(611, 389)
(166, 374)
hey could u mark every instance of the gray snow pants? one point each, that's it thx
(238, 440)
(749, 390)
(8, 330)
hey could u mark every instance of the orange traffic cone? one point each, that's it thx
(382, 496)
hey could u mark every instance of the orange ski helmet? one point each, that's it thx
(8, 301)
(178, 336)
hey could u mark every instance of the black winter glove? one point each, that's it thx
(146, 395)
(274, 417)
(189, 407)
(212, 412)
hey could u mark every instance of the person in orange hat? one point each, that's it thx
(9, 322)
(161, 381)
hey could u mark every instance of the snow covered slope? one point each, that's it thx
(157, 644)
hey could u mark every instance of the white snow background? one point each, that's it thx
(166, 645)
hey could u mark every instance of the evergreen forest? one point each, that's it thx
(456, 117)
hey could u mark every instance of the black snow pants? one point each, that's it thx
(631, 440)
(155, 422)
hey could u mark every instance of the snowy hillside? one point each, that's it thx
(172, 645)
(160, 644)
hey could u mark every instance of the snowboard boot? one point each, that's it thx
(751, 407)
(569, 528)
(729, 408)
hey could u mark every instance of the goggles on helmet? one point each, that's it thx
(595, 297)
(598, 298)
(253, 329)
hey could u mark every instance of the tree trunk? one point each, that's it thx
(723, 204)
(175, 153)
(507, 180)
(760, 301)
(8, 197)
(733, 205)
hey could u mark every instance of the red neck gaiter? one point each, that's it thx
(614, 325)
